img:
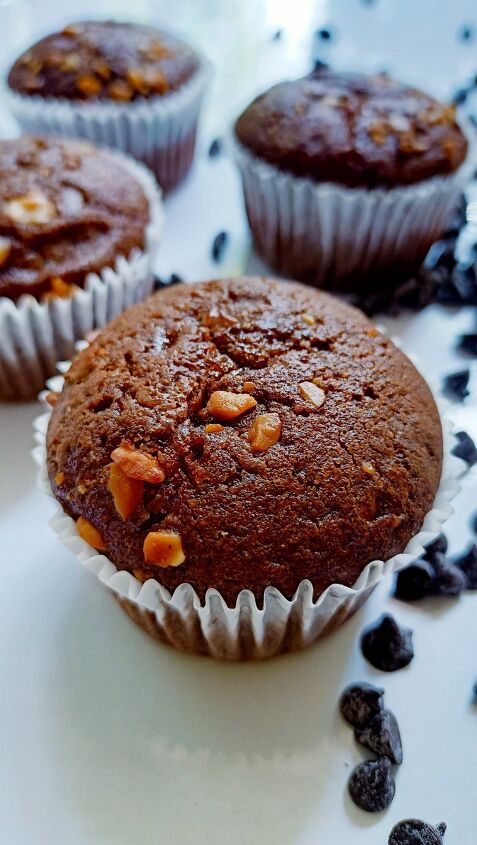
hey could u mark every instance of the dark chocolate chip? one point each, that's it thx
(455, 384)
(325, 34)
(468, 343)
(450, 579)
(416, 832)
(215, 148)
(360, 702)
(437, 546)
(466, 33)
(219, 244)
(382, 736)
(175, 279)
(371, 785)
(467, 563)
(459, 96)
(277, 35)
(465, 448)
(159, 283)
(387, 645)
(415, 581)
(318, 66)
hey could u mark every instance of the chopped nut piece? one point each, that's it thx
(138, 465)
(140, 574)
(368, 467)
(215, 319)
(264, 432)
(312, 393)
(120, 90)
(372, 332)
(5, 249)
(127, 492)
(70, 62)
(33, 207)
(249, 387)
(155, 51)
(212, 428)
(58, 287)
(70, 31)
(137, 80)
(308, 319)
(89, 85)
(90, 534)
(103, 70)
(228, 406)
(378, 132)
(163, 548)
(52, 398)
(60, 478)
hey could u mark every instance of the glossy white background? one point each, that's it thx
(107, 738)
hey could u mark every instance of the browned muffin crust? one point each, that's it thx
(349, 478)
(66, 209)
(104, 60)
(353, 129)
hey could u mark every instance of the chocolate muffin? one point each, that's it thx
(348, 179)
(352, 129)
(119, 85)
(104, 60)
(244, 433)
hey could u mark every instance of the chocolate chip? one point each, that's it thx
(360, 702)
(382, 736)
(386, 645)
(466, 33)
(324, 34)
(219, 244)
(465, 448)
(437, 546)
(318, 66)
(467, 563)
(450, 579)
(416, 832)
(468, 343)
(371, 785)
(215, 148)
(277, 35)
(175, 279)
(459, 96)
(455, 384)
(415, 581)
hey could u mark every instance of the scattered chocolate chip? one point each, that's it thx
(318, 66)
(467, 563)
(277, 35)
(465, 448)
(325, 34)
(450, 579)
(415, 581)
(159, 283)
(459, 96)
(466, 33)
(382, 736)
(360, 702)
(371, 785)
(468, 343)
(175, 279)
(437, 546)
(455, 384)
(215, 148)
(387, 645)
(219, 244)
(416, 832)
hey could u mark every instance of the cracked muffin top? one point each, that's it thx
(353, 129)
(104, 60)
(66, 210)
(244, 433)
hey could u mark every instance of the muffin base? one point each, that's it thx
(337, 237)
(159, 131)
(244, 631)
(34, 335)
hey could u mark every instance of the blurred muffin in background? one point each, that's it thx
(77, 230)
(347, 175)
(118, 84)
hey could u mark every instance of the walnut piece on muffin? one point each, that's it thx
(104, 60)
(354, 130)
(66, 210)
(254, 447)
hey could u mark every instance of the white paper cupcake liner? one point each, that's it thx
(35, 335)
(159, 131)
(325, 233)
(244, 631)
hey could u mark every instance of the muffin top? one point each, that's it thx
(104, 60)
(353, 129)
(244, 433)
(66, 209)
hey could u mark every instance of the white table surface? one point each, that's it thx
(106, 737)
